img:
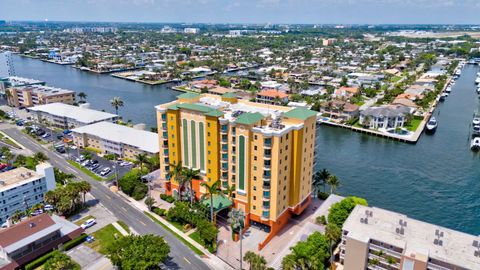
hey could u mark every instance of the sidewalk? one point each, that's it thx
(210, 259)
(120, 228)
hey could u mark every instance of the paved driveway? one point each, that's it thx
(98, 211)
(88, 258)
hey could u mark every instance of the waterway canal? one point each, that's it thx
(436, 180)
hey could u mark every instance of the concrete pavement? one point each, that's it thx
(181, 257)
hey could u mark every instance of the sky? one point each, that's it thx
(247, 11)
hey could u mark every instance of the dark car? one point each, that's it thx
(40, 132)
(61, 150)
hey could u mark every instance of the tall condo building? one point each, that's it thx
(264, 152)
(378, 239)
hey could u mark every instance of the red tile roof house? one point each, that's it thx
(31, 238)
(345, 92)
(338, 109)
(269, 96)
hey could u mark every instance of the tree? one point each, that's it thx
(116, 103)
(149, 201)
(339, 212)
(207, 232)
(333, 233)
(40, 157)
(212, 190)
(153, 163)
(84, 187)
(60, 261)
(82, 96)
(141, 159)
(236, 218)
(188, 176)
(256, 262)
(62, 177)
(310, 254)
(138, 252)
(129, 181)
(333, 182)
(320, 179)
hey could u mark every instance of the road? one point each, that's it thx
(181, 257)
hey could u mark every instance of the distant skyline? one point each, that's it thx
(247, 11)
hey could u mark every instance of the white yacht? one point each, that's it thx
(448, 89)
(475, 144)
(432, 124)
(477, 81)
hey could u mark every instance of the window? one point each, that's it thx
(255, 148)
(254, 198)
(255, 158)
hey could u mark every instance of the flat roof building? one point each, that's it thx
(29, 239)
(264, 151)
(116, 139)
(68, 116)
(33, 95)
(374, 238)
(22, 188)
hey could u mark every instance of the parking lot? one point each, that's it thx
(97, 164)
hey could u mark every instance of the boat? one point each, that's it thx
(475, 144)
(442, 97)
(449, 89)
(477, 81)
(432, 125)
(476, 121)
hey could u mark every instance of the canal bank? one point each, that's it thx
(436, 180)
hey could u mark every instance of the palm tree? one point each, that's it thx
(333, 182)
(149, 201)
(116, 103)
(176, 174)
(256, 262)
(82, 96)
(332, 233)
(51, 197)
(324, 174)
(236, 218)
(319, 179)
(84, 187)
(189, 174)
(212, 190)
(40, 157)
(141, 159)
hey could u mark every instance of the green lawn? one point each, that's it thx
(196, 236)
(413, 125)
(103, 238)
(8, 141)
(192, 247)
(80, 221)
(124, 226)
(395, 79)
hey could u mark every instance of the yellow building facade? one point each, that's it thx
(263, 152)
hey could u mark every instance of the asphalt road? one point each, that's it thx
(181, 257)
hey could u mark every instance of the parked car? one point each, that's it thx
(48, 207)
(61, 150)
(85, 163)
(94, 166)
(105, 171)
(89, 223)
(46, 135)
(37, 212)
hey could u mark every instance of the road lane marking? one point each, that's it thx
(142, 223)
(124, 209)
(187, 260)
(108, 196)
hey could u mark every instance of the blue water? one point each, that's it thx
(436, 180)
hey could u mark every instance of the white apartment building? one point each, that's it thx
(68, 116)
(22, 188)
(378, 239)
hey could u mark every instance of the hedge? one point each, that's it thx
(67, 246)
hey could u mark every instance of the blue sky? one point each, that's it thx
(247, 11)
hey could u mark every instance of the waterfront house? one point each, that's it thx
(339, 109)
(386, 116)
(271, 96)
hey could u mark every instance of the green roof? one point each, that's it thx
(229, 95)
(214, 113)
(219, 202)
(188, 95)
(194, 107)
(173, 107)
(249, 118)
(300, 113)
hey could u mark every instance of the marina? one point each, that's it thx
(411, 179)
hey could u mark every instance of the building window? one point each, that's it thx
(185, 143)
(241, 163)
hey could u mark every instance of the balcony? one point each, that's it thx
(266, 187)
(164, 127)
(267, 167)
(265, 215)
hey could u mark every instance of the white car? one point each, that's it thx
(89, 223)
(105, 171)
(48, 207)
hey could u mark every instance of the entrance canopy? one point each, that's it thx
(219, 202)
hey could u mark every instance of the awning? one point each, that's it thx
(220, 202)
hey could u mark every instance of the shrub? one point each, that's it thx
(340, 211)
(167, 198)
(140, 191)
(110, 156)
(39, 261)
(160, 211)
(163, 196)
(207, 232)
(321, 220)
(75, 242)
(323, 195)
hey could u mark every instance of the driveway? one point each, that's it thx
(88, 258)
(102, 216)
